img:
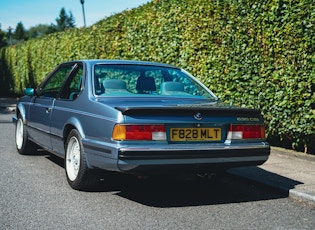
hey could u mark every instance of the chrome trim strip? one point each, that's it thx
(194, 147)
(193, 161)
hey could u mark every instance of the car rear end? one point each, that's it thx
(186, 139)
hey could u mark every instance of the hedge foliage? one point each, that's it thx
(257, 53)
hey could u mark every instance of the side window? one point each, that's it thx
(55, 82)
(72, 88)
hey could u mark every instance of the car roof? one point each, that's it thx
(123, 62)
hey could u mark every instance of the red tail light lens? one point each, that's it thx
(139, 132)
(246, 132)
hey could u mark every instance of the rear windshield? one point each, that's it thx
(143, 80)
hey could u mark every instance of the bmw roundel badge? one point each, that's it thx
(198, 116)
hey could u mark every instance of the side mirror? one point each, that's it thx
(29, 92)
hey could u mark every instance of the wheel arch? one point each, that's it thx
(73, 123)
(20, 110)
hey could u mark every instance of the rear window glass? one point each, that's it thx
(142, 80)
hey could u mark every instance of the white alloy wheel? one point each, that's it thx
(19, 134)
(79, 175)
(23, 145)
(73, 157)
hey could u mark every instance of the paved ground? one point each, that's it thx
(288, 171)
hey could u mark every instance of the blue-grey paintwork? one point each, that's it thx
(49, 120)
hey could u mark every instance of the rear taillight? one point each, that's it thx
(238, 132)
(139, 132)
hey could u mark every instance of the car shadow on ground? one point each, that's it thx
(166, 192)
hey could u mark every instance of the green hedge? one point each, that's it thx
(254, 53)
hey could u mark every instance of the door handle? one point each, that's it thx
(48, 110)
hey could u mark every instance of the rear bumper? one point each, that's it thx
(165, 161)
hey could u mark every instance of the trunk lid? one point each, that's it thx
(189, 120)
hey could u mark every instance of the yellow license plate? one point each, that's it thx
(195, 134)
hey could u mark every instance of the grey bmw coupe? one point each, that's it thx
(135, 117)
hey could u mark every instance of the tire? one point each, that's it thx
(23, 145)
(79, 176)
